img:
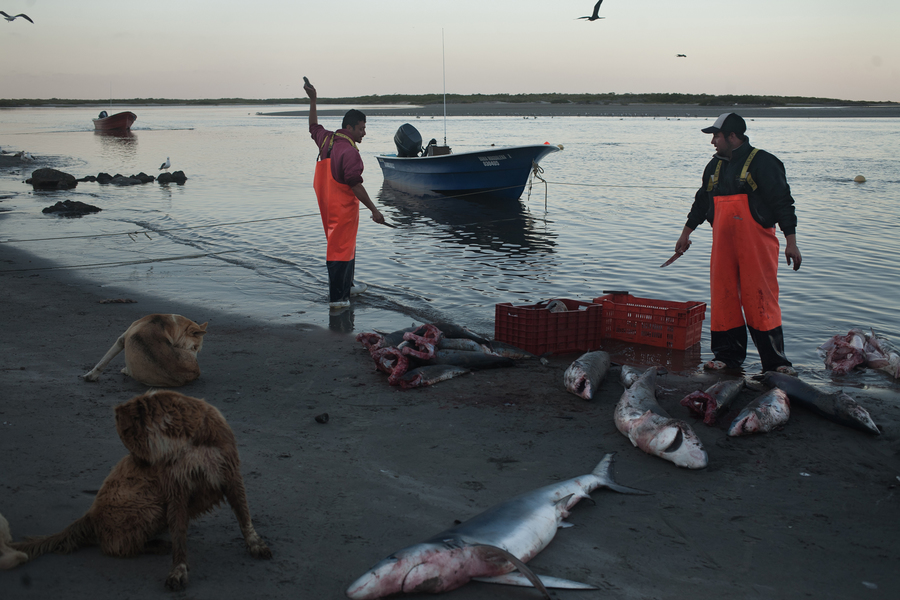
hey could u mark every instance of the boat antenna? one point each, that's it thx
(444, 69)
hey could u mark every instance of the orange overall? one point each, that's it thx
(743, 269)
(743, 208)
(743, 274)
(339, 208)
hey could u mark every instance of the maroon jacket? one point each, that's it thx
(346, 162)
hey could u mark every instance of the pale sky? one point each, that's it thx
(187, 49)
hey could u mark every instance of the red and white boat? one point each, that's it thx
(122, 120)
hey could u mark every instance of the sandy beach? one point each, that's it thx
(809, 510)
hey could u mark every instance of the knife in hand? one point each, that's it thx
(675, 257)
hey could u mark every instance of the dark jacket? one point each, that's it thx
(771, 203)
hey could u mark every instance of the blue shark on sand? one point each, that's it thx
(490, 546)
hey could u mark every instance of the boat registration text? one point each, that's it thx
(492, 160)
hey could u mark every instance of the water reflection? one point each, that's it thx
(677, 361)
(341, 320)
(496, 225)
(119, 143)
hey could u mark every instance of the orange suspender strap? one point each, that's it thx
(331, 144)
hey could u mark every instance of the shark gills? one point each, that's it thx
(644, 422)
(714, 401)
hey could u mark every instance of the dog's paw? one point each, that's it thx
(9, 559)
(91, 376)
(258, 549)
(178, 578)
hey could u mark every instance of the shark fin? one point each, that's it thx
(522, 581)
(604, 471)
(524, 572)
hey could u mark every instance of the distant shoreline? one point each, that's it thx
(539, 109)
(495, 108)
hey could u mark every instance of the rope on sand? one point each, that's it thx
(146, 232)
(119, 264)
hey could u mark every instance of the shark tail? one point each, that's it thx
(604, 471)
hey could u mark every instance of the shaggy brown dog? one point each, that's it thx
(9, 558)
(183, 462)
(160, 351)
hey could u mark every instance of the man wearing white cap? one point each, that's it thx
(744, 195)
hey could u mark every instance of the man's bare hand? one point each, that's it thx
(792, 254)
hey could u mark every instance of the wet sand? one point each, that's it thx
(806, 511)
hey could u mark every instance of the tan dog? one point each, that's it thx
(9, 558)
(160, 351)
(183, 462)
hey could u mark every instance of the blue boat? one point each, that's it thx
(490, 174)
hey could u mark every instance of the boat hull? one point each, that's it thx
(494, 173)
(122, 120)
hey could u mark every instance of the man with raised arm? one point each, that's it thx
(339, 189)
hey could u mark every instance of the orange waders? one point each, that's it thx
(339, 208)
(743, 273)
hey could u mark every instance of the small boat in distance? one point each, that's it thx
(489, 174)
(118, 121)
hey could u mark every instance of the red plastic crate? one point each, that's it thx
(537, 330)
(653, 322)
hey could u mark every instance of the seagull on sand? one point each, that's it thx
(594, 16)
(14, 17)
(165, 165)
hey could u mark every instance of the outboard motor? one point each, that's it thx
(408, 141)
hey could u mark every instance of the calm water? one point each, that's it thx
(617, 200)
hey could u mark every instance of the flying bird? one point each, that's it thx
(681, 55)
(14, 17)
(594, 16)
(165, 165)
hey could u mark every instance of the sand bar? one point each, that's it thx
(669, 111)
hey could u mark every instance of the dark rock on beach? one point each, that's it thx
(123, 180)
(119, 179)
(71, 208)
(144, 177)
(51, 179)
(176, 177)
